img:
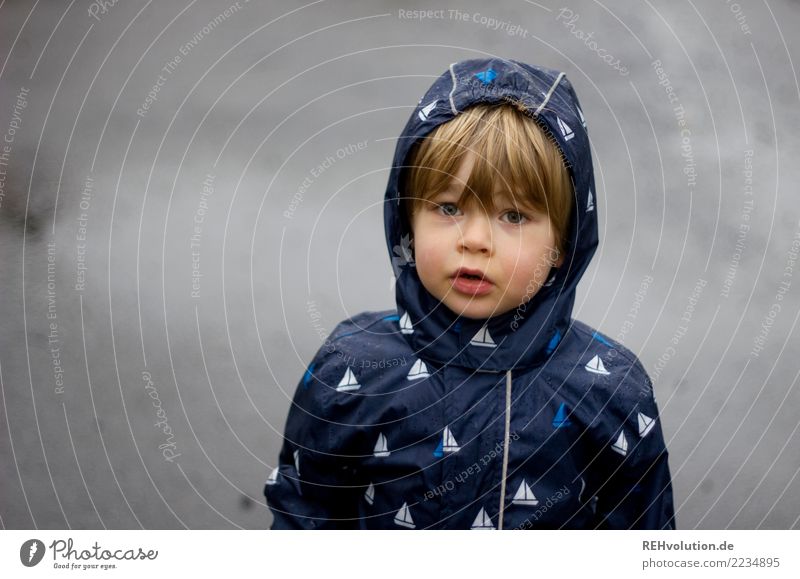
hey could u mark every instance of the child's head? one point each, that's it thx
(489, 192)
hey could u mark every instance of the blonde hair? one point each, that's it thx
(509, 147)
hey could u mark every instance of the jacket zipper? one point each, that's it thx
(506, 438)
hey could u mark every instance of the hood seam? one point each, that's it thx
(549, 94)
(453, 90)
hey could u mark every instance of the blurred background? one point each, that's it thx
(191, 199)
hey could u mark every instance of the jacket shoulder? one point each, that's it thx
(624, 410)
(368, 335)
(362, 322)
(356, 344)
(614, 358)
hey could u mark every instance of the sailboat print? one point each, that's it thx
(423, 114)
(449, 443)
(381, 449)
(297, 461)
(369, 496)
(525, 496)
(482, 521)
(405, 324)
(418, 370)
(348, 382)
(595, 366)
(646, 424)
(590, 202)
(273, 477)
(560, 420)
(483, 338)
(486, 76)
(621, 445)
(403, 517)
(551, 345)
(565, 130)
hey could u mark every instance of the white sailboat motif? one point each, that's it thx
(369, 496)
(423, 114)
(590, 202)
(525, 496)
(405, 324)
(580, 114)
(273, 477)
(482, 521)
(483, 338)
(297, 461)
(403, 517)
(646, 424)
(348, 382)
(565, 130)
(621, 445)
(550, 281)
(418, 370)
(381, 448)
(595, 366)
(449, 443)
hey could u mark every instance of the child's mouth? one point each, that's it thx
(471, 284)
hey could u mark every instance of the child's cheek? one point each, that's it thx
(429, 264)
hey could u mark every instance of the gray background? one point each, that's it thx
(259, 101)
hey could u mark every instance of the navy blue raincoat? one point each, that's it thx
(416, 418)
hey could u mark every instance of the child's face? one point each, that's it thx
(513, 249)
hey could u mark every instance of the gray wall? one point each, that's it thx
(99, 198)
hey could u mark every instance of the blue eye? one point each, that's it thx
(516, 217)
(444, 208)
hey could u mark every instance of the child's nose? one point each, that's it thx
(476, 233)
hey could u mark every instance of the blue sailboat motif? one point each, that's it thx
(561, 420)
(553, 342)
(486, 76)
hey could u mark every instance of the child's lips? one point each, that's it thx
(469, 273)
(471, 286)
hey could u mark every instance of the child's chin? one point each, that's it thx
(474, 313)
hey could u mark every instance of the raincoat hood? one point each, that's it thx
(527, 335)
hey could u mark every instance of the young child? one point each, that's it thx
(480, 403)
